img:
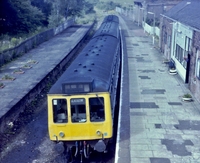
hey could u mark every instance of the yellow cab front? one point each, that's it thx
(79, 117)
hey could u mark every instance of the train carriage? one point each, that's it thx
(81, 103)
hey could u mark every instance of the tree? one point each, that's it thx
(74, 7)
(62, 9)
(7, 16)
(44, 6)
(19, 16)
(94, 2)
(88, 7)
(24, 16)
(106, 6)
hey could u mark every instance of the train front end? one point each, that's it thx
(85, 117)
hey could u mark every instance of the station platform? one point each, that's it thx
(34, 66)
(155, 124)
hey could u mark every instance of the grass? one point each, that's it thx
(187, 95)
(1, 85)
(18, 71)
(26, 66)
(32, 61)
(7, 77)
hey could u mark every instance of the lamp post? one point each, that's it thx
(142, 22)
(138, 16)
(153, 24)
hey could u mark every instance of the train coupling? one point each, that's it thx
(100, 146)
(59, 147)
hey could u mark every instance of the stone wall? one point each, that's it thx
(12, 53)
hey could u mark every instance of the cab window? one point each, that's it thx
(60, 110)
(97, 113)
(78, 110)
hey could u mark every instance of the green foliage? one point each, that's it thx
(107, 6)
(21, 19)
(54, 20)
(157, 23)
(1, 85)
(124, 2)
(187, 95)
(14, 41)
(89, 18)
(45, 7)
(62, 9)
(7, 77)
(19, 16)
(89, 7)
(150, 22)
(74, 7)
(94, 2)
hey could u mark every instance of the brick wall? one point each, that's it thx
(166, 31)
(194, 83)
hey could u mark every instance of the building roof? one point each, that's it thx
(186, 12)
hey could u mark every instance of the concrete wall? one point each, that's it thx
(12, 53)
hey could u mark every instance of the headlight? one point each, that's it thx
(61, 134)
(98, 133)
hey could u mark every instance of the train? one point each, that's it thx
(81, 103)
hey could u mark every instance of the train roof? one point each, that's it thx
(108, 27)
(111, 18)
(92, 69)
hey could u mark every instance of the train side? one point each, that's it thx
(81, 103)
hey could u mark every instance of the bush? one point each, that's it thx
(14, 41)
(187, 95)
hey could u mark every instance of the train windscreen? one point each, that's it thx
(97, 113)
(60, 110)
(78, 110)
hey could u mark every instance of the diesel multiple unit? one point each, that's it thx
(81, 104)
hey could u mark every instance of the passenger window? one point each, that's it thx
(60, 110)
(97, 113)
(78, 110)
